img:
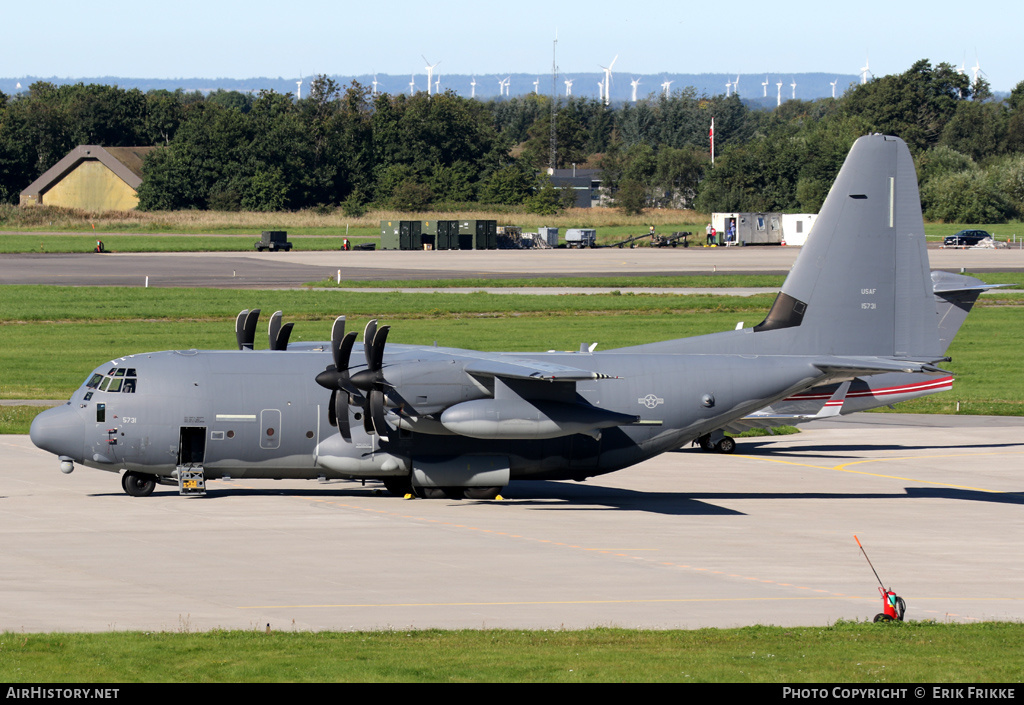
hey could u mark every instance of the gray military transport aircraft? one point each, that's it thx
(435, 421)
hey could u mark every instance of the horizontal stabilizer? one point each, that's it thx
(861, 367)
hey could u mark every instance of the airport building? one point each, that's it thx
(91, 178)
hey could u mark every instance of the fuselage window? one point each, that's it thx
(115, 385)
(106, 383)
(129, 386)
(94, 381)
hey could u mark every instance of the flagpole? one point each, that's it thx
(711, 134)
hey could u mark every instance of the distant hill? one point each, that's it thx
(809, 86)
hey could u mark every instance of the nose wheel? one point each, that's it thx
(136, 484)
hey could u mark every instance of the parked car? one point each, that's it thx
(965, 238)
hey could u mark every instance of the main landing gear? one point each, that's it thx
(717, 441)
(400, 487)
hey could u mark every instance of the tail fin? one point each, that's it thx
(861, 285)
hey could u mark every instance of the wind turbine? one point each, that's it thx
(412, 84)
(635, 82)
(778, 95)
(298, 89)
(472, 88)
(793, 86)
(764, 86)
(568, 87)
(736, 85)
(608, 80)
(430, 73)
(833, 84)
(507, 83)
(600, 92)
(865, 70)
(728, 85)
(536, 87)
(665, 87)
(374, 84)
(437, 83)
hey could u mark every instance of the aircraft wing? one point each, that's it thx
(514, 368)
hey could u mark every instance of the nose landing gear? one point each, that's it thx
(137, 484)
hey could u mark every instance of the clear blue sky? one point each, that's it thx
(211, 38)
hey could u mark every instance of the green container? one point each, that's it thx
(389, 235)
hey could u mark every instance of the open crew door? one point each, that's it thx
(192, 445)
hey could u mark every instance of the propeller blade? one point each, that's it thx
(368, 335)
(379, 340)
(367, 419)
(274, 329)
(275, 332)
(377, 414)
(332, 415)
(337, 334)
(240, 328)
(344, 381)
(284, 336)
(248, 338)
(340, 403)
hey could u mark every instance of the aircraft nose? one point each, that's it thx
(60, 431)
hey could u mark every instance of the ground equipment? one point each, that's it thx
(892, 604)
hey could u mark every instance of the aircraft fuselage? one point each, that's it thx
(259, 414)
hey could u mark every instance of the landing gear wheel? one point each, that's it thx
(398, 486)
(136, 484)
(482, 492)
(705, 443)
(727, 445)
(882, 617)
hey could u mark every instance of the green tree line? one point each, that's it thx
(344, 147)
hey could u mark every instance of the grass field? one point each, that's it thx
(847, 652)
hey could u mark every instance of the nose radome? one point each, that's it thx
(60, 431)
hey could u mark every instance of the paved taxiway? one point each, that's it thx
(686, 540)
(268, 270)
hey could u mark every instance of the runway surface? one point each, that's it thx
(683, 541)
(269, 270)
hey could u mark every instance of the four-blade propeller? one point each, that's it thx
(365, 388)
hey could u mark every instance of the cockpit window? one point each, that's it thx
(119, 379)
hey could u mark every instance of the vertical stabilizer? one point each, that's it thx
(861, 285)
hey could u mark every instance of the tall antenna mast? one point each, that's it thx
(554, 103)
